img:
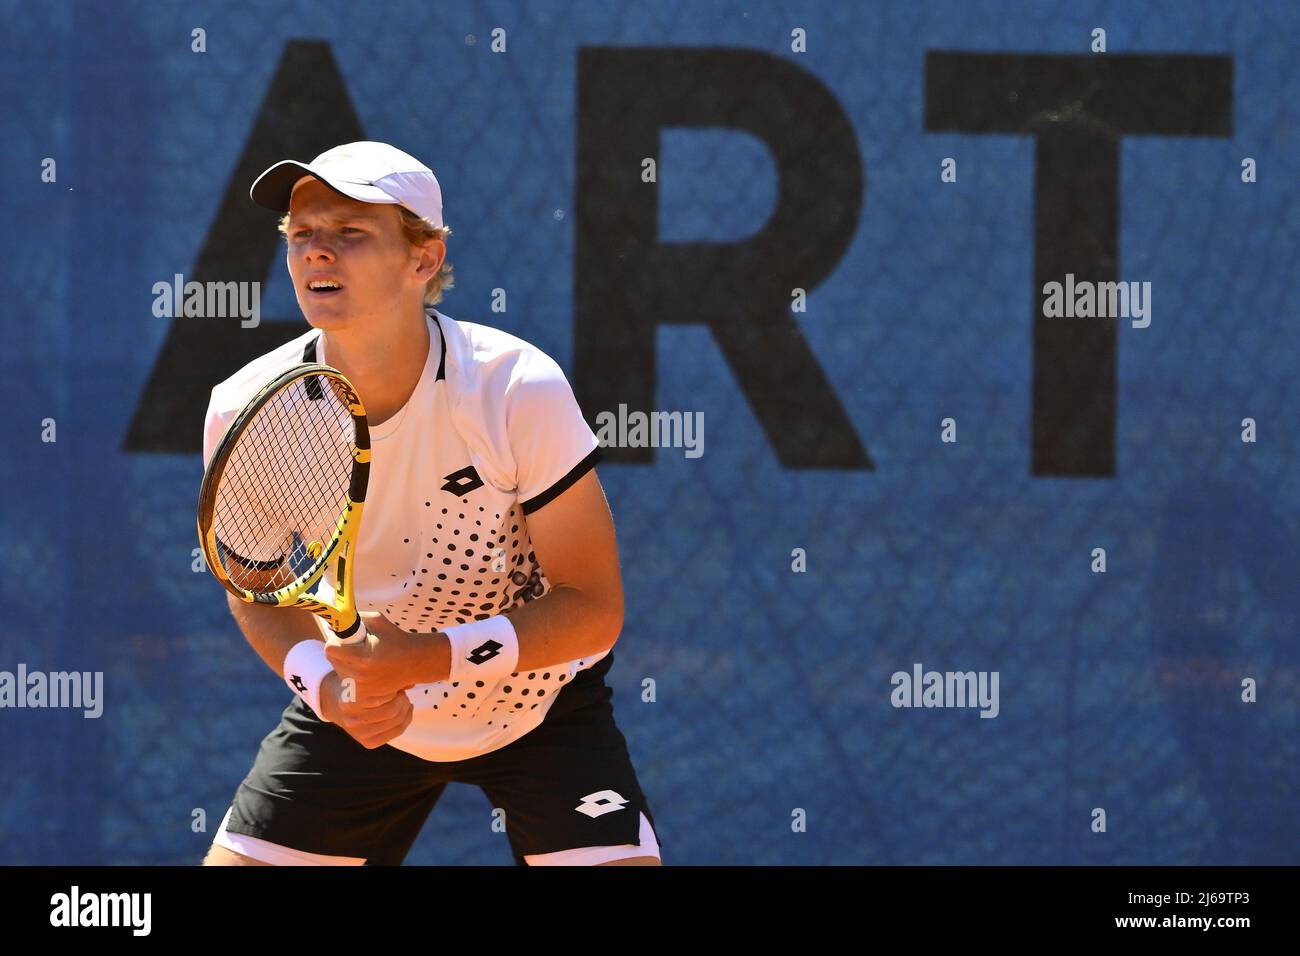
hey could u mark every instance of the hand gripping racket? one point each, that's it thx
(281, 500)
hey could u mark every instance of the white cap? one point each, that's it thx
(365, 171)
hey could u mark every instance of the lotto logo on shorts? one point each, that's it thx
(602, 801)
(484, 652)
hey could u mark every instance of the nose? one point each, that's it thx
(317, 249)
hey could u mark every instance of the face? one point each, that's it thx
(360, 246)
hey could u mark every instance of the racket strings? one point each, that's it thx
(285, 485)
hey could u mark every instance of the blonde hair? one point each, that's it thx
(417, 232)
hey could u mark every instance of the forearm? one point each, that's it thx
(564, 625)
(271, 631)
(560, 626)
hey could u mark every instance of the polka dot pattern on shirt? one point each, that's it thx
(471, 564)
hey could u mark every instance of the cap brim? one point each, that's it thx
(274, 187)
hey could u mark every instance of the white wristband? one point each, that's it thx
(305, 668)
(483, 650)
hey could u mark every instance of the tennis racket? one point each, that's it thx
(281, 500)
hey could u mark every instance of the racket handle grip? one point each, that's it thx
(332, 637)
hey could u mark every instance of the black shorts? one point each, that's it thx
(314, 788)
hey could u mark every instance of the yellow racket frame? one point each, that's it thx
(326, 588)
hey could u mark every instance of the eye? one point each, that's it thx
(303, 233)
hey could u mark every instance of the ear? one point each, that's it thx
(431, 255)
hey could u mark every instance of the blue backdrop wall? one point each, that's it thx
(1119, 690)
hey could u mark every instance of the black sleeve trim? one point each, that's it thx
(557, 489)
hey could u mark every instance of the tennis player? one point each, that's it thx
(486, 571)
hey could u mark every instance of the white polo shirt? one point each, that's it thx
(491, 434)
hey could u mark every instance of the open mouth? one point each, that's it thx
(324, 287)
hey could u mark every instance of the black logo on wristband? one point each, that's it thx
(485, 652)
(298, 684)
